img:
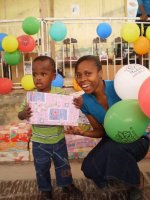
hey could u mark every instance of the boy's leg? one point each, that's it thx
(61, 163)
(42, 162)
(63, 170)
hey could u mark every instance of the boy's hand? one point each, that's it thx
(78, 102)
(26, 113)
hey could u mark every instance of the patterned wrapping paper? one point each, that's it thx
(77, 146)
(13, 146)
(52, 109)
(14, 140)
(16, 156)
(76, 143)
(15, 132)
(79, 154)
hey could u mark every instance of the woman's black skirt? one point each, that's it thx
(110, 160)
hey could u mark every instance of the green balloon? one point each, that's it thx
(31, 25)
(13, 58)
(125, 122)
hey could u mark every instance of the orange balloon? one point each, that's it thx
(76, 86)
(142, 45)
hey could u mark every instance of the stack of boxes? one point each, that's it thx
(15, 144)
(14, 139)
(78, 146)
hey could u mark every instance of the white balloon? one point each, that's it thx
(129, 79)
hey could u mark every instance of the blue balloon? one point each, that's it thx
(104, 30)
(2, 35)
(58, 31)
(58, 81)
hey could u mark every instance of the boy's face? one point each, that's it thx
(43, 75)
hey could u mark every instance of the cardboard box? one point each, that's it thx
(15, 133)
(52, 109)
(13, 146)
(16, 156)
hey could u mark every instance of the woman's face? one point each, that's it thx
(88, 77)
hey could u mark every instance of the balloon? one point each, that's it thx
(128, 80)
(142, 45)
(13, 58)
(10, 43)
(104, 30)
(26, 43)
(58, 31)
(125, 122)
(2, 35)
(76, 86)
(130, 32)
(58, 81)
(31, 25)
(5, 85)
(27, 82)
(144, 97)
(148, 32)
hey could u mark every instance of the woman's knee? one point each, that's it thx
(86, 167)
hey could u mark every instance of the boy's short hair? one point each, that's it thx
(44, 58)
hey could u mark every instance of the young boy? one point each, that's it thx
(48, 141)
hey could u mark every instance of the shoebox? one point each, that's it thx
(76, 142)
(46, 111)
(14, 142)
(77, 146)
(15, 132)
(13, 146)
(79, 153)
(16, 156)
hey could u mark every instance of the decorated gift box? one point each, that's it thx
(13, 146)
(77, 146)
(75, 143)
(52, 109)
(79, 154)
(15, 132)
(14, 140)
(16, 156)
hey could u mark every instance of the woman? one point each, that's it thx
(144, 13)
(109, 160)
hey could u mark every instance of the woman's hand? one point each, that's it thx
(78, 102)
(144, 17)
(74, 130)
(148, 129)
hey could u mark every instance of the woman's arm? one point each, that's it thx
(143, 16)
(98, 129)
(97, 132)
